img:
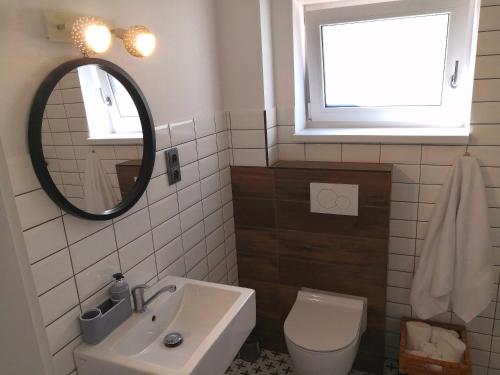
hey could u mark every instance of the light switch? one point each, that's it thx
(334, 199)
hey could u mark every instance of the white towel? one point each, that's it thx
(431, 350)
(456, 269)
(419, 333)
(450, 347)
(98, 192)
(418, 353)
(436, 332)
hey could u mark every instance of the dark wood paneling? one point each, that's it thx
(371, 222)
(252, 182)
(332, 166)
(283, 247)
(254, 212)
(258, 267)
(331, 248)
(374, 188)
(256, 240)
(266, 294)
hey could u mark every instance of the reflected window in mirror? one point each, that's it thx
(111, 112)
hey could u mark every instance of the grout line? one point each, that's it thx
(72, 268)
(151, 225)
(60, 316)
(48, 256)
(69, 343)
(89, 235)
(44, 222)
(487, 54)
(57, 285)
(27, 192)
(266, 141)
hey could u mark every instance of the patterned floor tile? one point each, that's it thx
(269, 363)
(274, 363)
(391, 367)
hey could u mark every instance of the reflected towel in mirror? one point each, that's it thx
(98, 191)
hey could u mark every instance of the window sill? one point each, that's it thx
(119, 139)
(456, 136)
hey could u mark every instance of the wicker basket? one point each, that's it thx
(413, 365)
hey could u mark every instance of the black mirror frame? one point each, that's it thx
(35, 138)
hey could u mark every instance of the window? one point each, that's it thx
(393, 64)
(392, 48)
(110, 110)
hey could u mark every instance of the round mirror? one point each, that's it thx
(91, 139)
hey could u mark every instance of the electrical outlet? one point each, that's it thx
(173, 166)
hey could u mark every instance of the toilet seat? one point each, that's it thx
(323, 322)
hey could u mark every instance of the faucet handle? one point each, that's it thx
(138, 297)
(139, 287)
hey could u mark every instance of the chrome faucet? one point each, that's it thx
(138, 296)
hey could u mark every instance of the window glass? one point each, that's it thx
(386, 62)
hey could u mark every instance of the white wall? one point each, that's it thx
(184, 229)
(267, 53)
(240, 54)
(20, 320)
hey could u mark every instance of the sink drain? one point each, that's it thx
(173, 340)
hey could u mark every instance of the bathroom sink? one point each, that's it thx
(214, 320)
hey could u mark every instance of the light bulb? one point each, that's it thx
(139, 41)
(98, 38)
(145, 43)
(90, 35)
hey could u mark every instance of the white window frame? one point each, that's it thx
(117, 120)
(102, 118)
(452, 115)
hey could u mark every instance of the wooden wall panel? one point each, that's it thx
(282, 246)
(296, 215)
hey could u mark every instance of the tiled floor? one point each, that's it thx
(273, 363)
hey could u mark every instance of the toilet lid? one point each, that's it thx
(323, 322)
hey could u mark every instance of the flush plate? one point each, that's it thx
(334, 199)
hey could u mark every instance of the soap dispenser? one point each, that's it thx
(97, 323)
(120, 289)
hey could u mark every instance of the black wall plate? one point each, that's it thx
(173, 166)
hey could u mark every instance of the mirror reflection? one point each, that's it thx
(92, 139)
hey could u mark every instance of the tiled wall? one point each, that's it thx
(419, 172)
(252, 133)
(186, 229)
(66, 145)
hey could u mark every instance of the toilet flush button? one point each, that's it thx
(334, 199)
(327, 198)
(343, 202)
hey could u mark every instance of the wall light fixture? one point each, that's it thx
(138, 40)
(92, 36)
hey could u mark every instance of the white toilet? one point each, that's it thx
(323, 331)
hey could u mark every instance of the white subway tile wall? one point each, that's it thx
(185, 229)
(419, 172)
(249, 132)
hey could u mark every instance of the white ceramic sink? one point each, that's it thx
(214, 320)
